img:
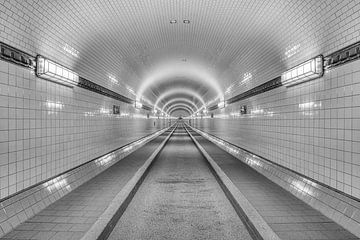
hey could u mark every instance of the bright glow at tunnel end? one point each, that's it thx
(172, 69)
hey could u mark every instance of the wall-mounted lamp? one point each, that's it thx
(221, 104)
(54, 72)
(138, 105)
(311, 69)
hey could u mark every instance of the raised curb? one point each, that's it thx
(102, 228)
(239, 201)
(27, 203)
(317, 195)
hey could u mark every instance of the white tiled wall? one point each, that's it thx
(335, 205)
(46, 128)
(312, 128)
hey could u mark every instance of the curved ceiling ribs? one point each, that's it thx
(184, 72)
(177, 100)
(179, 91)
(180, 108)
(228, 47)
(182, 105)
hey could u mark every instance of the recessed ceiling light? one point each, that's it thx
(186, 21)
(173, 21)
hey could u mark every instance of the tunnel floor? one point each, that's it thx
(180, 199)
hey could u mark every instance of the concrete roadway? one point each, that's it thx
(180, 199)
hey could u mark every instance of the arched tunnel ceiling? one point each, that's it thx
(134, 42)
(183, 105)
(181, 111)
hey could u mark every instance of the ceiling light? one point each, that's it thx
(306, 71)
(173, 21)
(54, 72)
(186, 21)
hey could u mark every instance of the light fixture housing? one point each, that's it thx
(309, 70)
(54, 72)
(138, 105)
(186, 21)
(221, 104)
(173, 21)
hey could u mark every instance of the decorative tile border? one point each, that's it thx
(342, 209)
(16, 209)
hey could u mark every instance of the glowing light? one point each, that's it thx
(235, 114)
(228, 90)
(54, 105)
(57, 184)
(203, 109)
(128, 148)
(67, 48)
(269, 114)
(221, 104)
(173, 91)
(291, 51)
(54, 72)
(211, 101)
(105, 159)
(309, 105)
(306, 71)
(124, 114)
(113, 79)
(222, 116)
(173, 69)
(130, 90)
(180, 108)
(136, 115)
(105, 111)
(303, 187)
(257, 111)
(253, 162)
(232, 150)
(138, 105)
(179, 100)
(89, 114)
(247, 77)
(145, 100)
(179, 104)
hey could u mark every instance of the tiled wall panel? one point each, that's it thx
(312, 128)
(24, 205)
(46, 128)
(342, 209)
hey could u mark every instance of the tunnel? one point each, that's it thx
(180, 119)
